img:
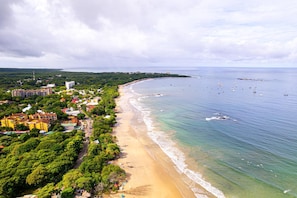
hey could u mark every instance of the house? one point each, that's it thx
(74, 119)
(71, 111)
(94, 101)
(74, 100)
(90, 107)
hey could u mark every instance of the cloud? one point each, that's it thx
(147, 33)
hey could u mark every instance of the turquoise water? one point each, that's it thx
(235, 129)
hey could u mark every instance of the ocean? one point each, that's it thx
(231, 130)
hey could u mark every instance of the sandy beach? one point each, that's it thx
(150, 172)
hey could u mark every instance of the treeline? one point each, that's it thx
(23, 78)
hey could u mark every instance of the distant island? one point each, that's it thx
(251, 79)
(56, 132)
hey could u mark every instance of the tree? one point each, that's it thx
(58, 127)
(111, 174)
(46, 191)
(70, 178)
(81, 116)
(67, 193)
(38, 176)
(60, 114)
(98, 110)
(27, 146)
(85, 183)
(21, 127)
(24, 137)
(34, 132)
(112, 150)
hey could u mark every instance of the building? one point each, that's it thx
(51, 85)
(94, 101)
(8, 122)
(13, 120)
(42, 125)
(44, 116)
(70, 111)
(69, 84)
(41, 121)
(90, 107)
(27, 93)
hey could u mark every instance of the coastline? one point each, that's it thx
(150, 171)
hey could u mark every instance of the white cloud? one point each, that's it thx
(132, 32)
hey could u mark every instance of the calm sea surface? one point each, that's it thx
(233, 130)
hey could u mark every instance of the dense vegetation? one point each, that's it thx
(43, 165)
(22, 78)
(29, 162)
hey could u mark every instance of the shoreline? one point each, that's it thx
(150, 172)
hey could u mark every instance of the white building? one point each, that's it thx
(50, 85)
(69, 84)
(71, 111)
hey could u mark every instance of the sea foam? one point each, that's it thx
(169, 147)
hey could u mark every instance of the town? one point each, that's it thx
(70, 119)
(56, 135)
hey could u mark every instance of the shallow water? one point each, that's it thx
(233, 131)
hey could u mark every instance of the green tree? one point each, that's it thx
(85, 183)
(38, 176)
(67, 193)
(21, 127)
(34, 132)
(112, 150)
(81, 116)
(70, 178)
(58, 127)
(46, 191)
(27, 146)
(111, 174)
(24, 137)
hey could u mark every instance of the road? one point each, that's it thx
(88, 132)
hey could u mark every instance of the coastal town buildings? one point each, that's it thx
(69, 84)
(70, 111)
(27, 93)
(39, 121)
(44, 116)
(51, 85)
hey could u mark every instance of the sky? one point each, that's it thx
(147, 33)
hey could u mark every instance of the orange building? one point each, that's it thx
(39, 121)
(44, 116)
